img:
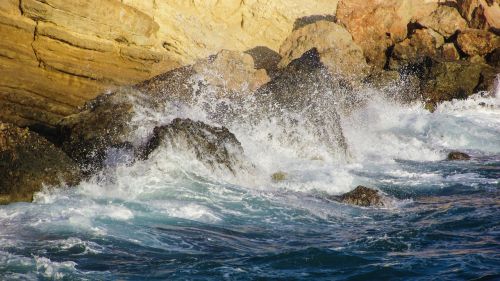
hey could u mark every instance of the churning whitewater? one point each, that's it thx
(173, 217)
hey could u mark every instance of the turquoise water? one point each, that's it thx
(173, 218)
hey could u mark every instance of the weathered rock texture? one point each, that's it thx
(57, 54)
(361, 196)
(335, 45)
(216, 147)
(29, 162)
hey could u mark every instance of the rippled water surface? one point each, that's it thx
(171, 218)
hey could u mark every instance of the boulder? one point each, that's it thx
(445, 20)
(424, 43)
(457, 155)
(481, 14)
(307, 87)
(336, 48)
(376, 25)
(28, 162)
(456, 80)
(216, 147)
(106, 121)
(231, 71)
(226, 73)
(361, 196)
(103, 123)
(477, 42)
(449, 52)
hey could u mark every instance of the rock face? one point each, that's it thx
(214, 146)
(55, 55)
(28, 162)
(361, 196)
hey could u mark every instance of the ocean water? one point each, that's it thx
(173, 218)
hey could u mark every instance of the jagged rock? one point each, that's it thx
(481, 14)
(456, 80)
(477, 42)
(402, 87)
(334, 43)
(215, 146)
(226, 73)
(360, 196)
(449, 52)
(376, 25)
(424, 43)
(103, 123)
(445, 20)
(231, 71)
(493, 58)
(28, 162)
(307, 86)
(457, 155)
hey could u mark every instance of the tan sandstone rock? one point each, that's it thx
(423, 43)
(477, 42)
(377, 24)
(481, 14)
(445, 20)
(335, 45)
(57, 54)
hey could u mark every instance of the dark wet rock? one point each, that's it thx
(103, 123)
(214, 146)
(424, 43)
(361, 196)
(307, 86)
(28, 162)
(456, 80)
(457, 156)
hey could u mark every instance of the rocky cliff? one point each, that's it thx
(57, 54)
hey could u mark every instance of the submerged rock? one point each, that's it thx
(457, 156)
(361, 196)
(28, 162)
(214, 146)
(279, 176)
(477, 42)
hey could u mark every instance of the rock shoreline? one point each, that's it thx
(432, 52)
